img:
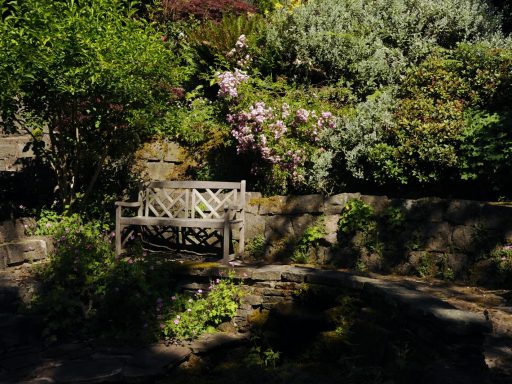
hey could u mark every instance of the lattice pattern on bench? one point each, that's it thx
(191, 206)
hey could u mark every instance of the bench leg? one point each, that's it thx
(241, 244)
(118, 231)
(118, 240)
(225, 247)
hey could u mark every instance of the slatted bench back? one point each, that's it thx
(191, 199)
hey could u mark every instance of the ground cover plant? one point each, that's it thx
(87, 290)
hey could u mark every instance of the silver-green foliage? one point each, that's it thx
(370, 43)
(356, 135)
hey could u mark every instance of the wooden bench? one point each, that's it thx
(215, 205)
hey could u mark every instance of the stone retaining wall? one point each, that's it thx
(458, 232)
(18, 248)
(13, 149)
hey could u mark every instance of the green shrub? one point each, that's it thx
(356, 216)
(311, 238)
(256, 246)
(449, 117)
(370, 44)
(87, 291)
(74, 280)
(486, 149)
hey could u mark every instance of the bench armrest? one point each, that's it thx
(128, 204)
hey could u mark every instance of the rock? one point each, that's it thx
(227, 327)
(154, 360)
(331, 228)
(279, 227)
(89, 371)
(334, 204)
(378, 203)
(287, 205)
(429, 209)
(462, 211)
(296, 274)
(12, 231)
(270, 205)
(254, 226)
(253, 300)
(458, 262)
(495, 217)
(335, 278)
(461, 322)
(258, 317)
(23, 251)
(304, 204)
(209, 342)
(301, 223)
(269, 272)
(438, 237)
(464, 238)
(252, 205)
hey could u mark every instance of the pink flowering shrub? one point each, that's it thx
(280, 138)
(229, 81)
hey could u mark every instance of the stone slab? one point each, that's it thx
(209, 342)
(269, 272)
(252, 204)
(24, 251)
(296, 274)
(153, 360)
(88, 371)
(334, 204)
(291, 205)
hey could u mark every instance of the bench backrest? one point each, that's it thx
(191, 199)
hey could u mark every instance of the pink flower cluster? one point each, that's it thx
(249, 131)
(229, 82)
(261, 129)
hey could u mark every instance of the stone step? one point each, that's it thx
(21, 251)
(19, 330)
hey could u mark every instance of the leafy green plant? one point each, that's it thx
(74, 279)
(502, 258)
(262, 355)
(427, 267)
(356, 215)
(87, 291)
(187, 317)
(394, 218)
(256, 246)
(311, 238)
(370, 44)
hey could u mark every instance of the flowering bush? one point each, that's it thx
(187, 317)
(276, 135)
(86, 289)
(229, 81)
(74, 279)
